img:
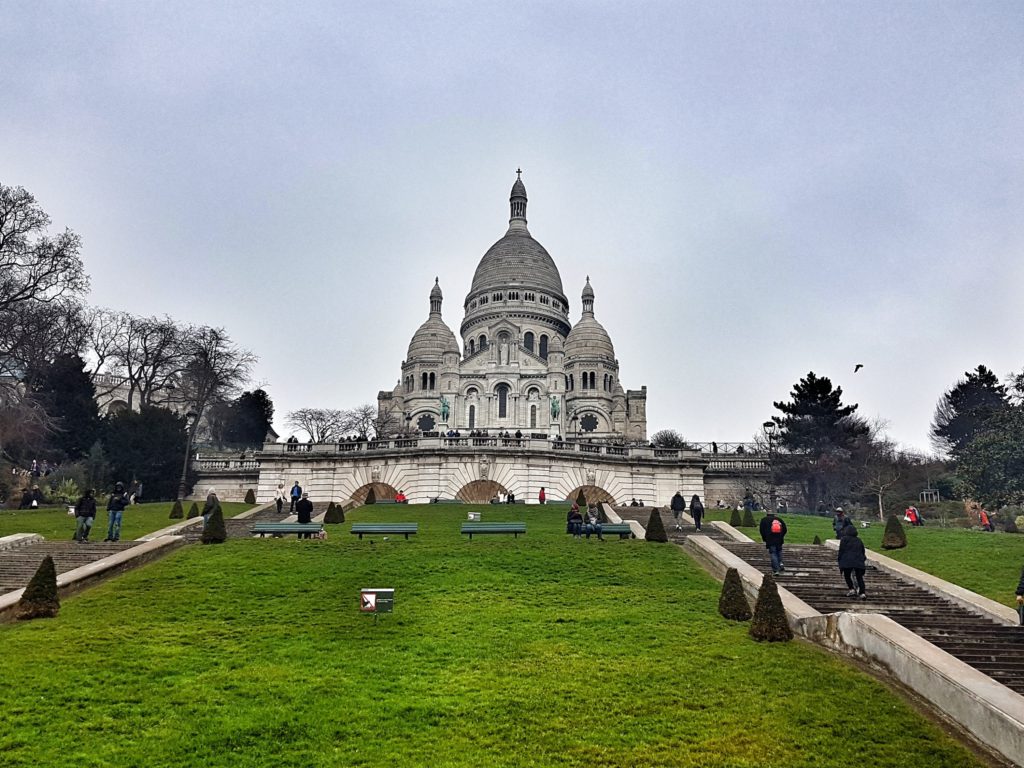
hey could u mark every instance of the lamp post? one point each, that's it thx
(408, 423)
(191, 422)
(576, 425)
(770, 429)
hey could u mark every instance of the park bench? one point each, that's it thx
(280, 529)
(622, 529)
(390, 501)
(391, 529)
(514, 528)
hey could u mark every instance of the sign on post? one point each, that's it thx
(376, 600)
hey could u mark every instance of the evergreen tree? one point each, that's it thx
(66, 393)
(250, 497)
(820, 438)
(177, 512)
(581, 500)
(148, 446)
(656, 527)
(769, 616)
(963, 410)
(735, 520)
(732, 603)
(335, 513)
(817, 539)
(990, 468)
(371, 497)
(193, 511)
(214, 531)
(748, 519)
(39, 600)
(894, 537)
(243, 421)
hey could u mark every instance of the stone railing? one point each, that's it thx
(214, 464)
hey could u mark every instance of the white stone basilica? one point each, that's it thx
(522, 367)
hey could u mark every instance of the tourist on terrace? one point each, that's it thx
(296, 494)
(304, 511)
(541, 497)
(115, 511)
(840, 522)
(696, 510)
(678, 504)
(773, 534)
(85, 515)
(852, 561)
(400, 498)
(279, 497)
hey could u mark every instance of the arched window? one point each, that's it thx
(585, 380)
(528, 340)
(472, 416)
(432, 381)
(471, 392)
(482, 342)
(472, 346)
(502, 401)
(423, 384)
(572, 384)
(593, 380)
(533, 417)
(544, 346)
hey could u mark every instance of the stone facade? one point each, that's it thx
(522, 367)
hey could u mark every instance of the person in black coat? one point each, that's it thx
(304, 511)
(85, 515)
(696, 510)
(773, 534)
(853, 561)
(678, 504)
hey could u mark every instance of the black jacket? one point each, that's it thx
(678, 503)
(696, 508)
(86, 507)
(304, 510)
(769, 538)
(117, 502)
(851, 550)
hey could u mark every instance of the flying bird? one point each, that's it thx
(857, 367)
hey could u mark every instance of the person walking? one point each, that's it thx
(840, 522)
(542, 497)
(304, 511)
(853, 562)
(279, 497)
(85, 516)
(115, 512)
(696, 510)
(773, 534)
(678, 504)
(212, 505)
(296, 494)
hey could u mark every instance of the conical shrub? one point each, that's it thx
(193, 511)
(1011, 527)
(213, 531)
(734, 519)
(335, 513)
(732, 603)
(769, 622)
(371, 497)
(250, 496)
(894, 537)
(581, 499)
(177, 512)
(748, 519)
(39, 600)
(817, 540)
(655, 527)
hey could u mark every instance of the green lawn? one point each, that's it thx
(538, 651)
(138, 520)
(986, 563)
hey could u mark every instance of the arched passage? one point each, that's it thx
(382, 491)
(480, 491)
(593, 494)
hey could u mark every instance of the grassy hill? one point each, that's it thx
(541, 651)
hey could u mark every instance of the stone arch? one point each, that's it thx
(380, 490)
(480, 491)
(594, 494)
(116, 406)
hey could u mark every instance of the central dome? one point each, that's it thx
(517, 260)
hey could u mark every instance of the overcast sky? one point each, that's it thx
(756, 190)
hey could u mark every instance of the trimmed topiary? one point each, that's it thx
(581, 499)
(177, 511)
(734, 519)
(193, 511)
(335, 514)
(371, 497)
(655, 527)
(1011, 527)
(213, 531)
(817, 540)
(250, 497)
(894, 536)
(748, 519)
(39, 600)
(769, 622)
(732, 603)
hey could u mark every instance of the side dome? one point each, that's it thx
(434, 338)
(588, 339)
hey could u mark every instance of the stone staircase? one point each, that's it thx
(643, 515)
(242, 528)
(18, 565)
(812, 574)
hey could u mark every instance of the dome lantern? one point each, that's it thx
(517, 201)
(436, 298)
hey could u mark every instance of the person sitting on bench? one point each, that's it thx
(594, 522)
(575, 520)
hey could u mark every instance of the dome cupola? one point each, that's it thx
(434, 337)
(588, 340)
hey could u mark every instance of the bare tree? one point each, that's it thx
(880, 470)
(323, 425)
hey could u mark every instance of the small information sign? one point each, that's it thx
(376, 600)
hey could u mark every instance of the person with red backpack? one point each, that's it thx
(773, 534)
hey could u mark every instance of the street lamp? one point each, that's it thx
(770, 429)
(191, 422)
